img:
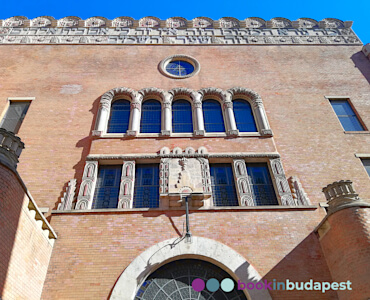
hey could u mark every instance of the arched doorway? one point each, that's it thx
(174, 281)
(161, 254)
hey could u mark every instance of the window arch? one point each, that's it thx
(182, 119)
(119, 117)
(150, 117)
(244, 116)
(213, 118)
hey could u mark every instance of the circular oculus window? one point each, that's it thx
(179, 66)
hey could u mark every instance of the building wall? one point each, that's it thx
(93, 249)
(67, 82)
(25, 251)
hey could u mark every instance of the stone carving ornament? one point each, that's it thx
(126, 192)
(68, 22)
(202, 22)
(176, 22)
(41, 22)
(95, 22)
(17, 21)
(150, 22)
(255, 22)
(307, 23)
(279, 23)
(123, 22)
(228, 22)
(87, 187)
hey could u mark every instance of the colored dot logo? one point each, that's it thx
(212, 285)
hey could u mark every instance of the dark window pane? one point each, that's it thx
(119, 117)
(261, 184)
(146, 193)
(213, 119)
(244, 116)
(179, 68)
(346, 115)
(182, 120)
(366, 163)
(14, 116)
(151, 117)
(223, 186)
(107, 187)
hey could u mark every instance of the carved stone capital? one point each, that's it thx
(136, 105)
(197, 104)
(228, 105)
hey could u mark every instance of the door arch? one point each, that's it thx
(200, 248)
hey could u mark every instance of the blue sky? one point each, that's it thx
(356, 10)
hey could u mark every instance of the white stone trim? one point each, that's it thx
(191, 60)
(176, 248)
(362, 155)
(87, 187)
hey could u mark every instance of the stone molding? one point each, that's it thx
(68, 197)
(126, 191)
(196, 98)
(341, 195)
(242, 183)
(298, 193)
(178, 248)
(87, 187)
(176, 30)
(281, 184)
(366, 50)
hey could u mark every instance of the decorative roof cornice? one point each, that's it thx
(175, 30)
(173, 22)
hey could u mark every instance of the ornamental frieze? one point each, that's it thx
(176, 30)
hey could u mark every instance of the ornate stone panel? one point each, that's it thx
(68, 196)
(150, 22)
(164, 174)
(41, 22)
(69, 22)
(243, 186)
(126, 191)
(255, 23)
(228, 22)
(87, 187)
(281, 183)
(126, 22)
(14, 21)
(202, 22)
(95, 22)
(298, 193)
(176, 22)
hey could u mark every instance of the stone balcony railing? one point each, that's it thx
(11, 147)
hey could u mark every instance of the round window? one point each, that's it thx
(179, 66)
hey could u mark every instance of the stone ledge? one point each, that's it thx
(192, 209)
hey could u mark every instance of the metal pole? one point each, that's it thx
(188, 234)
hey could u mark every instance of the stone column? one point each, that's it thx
(135, 116)
(344, 236)
(102, 118)
(11, 148)
(230, 119)
(260, 115)
(198, 114)
(167, 115)
(87, 187)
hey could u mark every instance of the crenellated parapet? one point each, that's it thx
(175, 30)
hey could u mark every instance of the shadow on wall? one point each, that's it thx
(11, 201)
(304, 262)
(85, 144)
(362, 63)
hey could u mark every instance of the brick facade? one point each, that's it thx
(94, 247)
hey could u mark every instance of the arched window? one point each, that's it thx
(213, 119)
(150, 117)
(182, 120)
(244, 116)
(119, 117)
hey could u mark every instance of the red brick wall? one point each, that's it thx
(292, 81)
(92, 250)
(24, 250)
(347, 250)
